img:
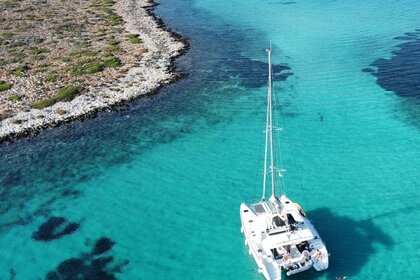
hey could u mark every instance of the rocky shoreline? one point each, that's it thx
(154, 70)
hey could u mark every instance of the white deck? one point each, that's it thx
(273, 239)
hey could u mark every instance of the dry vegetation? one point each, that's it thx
(50, 48)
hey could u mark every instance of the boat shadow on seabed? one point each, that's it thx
(346, 239)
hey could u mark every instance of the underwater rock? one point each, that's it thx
(401, 72)
(101, 263)
(75, 268)
(102, 245)
(72, 267)
(12, 274)
(71, 193)
(252, 73)
(88, 266)
(54, 228)
(52, 275)
(11, 179)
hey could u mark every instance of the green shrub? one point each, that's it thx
(61, 111)
(112, 47)
(112, 62)
(63, 94)
(66, 59)
(40, 69)
(4, 86)
(89, 53)
(15, 98)
(3, 116)
(35, 50)
(7, 35)
(20, 71)
(44, 103)
(85, 67)
(2, 62)
(108, 10)
(134, 38)
(109, 2)
(67, 93)
(76, 53)
(17, 56)
(37, 70)
(52, 77)
(38, 57)
(115, 19)
(17, 121)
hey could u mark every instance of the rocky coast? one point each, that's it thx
(149, 70)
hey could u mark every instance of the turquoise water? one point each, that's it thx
(163, 177)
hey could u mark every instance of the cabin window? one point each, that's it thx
(278, 222)
(290, 219)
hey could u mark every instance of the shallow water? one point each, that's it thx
(163, 177)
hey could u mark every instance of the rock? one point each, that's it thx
(71, 268)
(54, 228)
(89, 266)
(103, 245)
(52, 275)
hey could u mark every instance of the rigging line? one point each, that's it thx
(267, 132)
(294, 159)
(258, 172)
(266, 147)
(275, 153)
(278, 114)
(278, 153)
(278, 140)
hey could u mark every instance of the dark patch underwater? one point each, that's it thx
(55, 228)
(340, 241)
(93, 266)
(401, 72)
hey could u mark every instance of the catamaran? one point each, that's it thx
(277, 231)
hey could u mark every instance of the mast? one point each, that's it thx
(265, 151)
(270, 116)
(269, 133)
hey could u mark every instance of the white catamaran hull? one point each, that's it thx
(261, 245)
(270, 270)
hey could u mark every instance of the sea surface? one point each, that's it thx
(152, 190)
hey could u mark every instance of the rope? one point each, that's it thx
(278, 152)
(294, 158)
(258, 170)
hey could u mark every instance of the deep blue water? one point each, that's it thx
(400, 73)
(152, 190)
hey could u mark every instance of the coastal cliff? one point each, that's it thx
(133, 57)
